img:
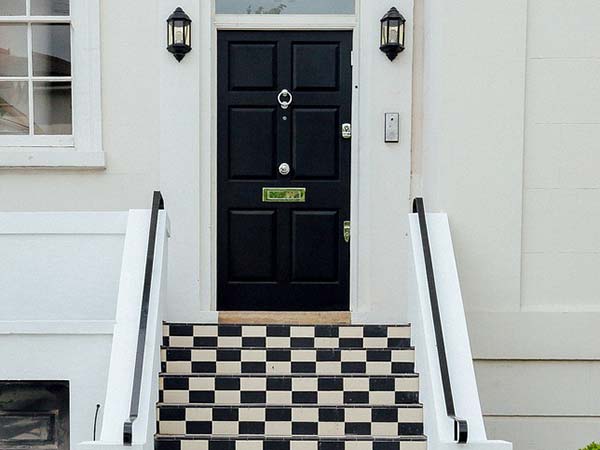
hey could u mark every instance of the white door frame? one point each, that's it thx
(208, 128)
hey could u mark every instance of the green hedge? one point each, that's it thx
(592, 446)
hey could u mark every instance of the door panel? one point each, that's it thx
(315, 135)
(252, 259)
(316, 66)
(283, 256)
(252, 65)
(315, 238)
(258, 132)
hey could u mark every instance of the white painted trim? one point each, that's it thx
(57, 158)
(62, 327)
(314, 22)
(18, 141)
(84, 148)
(63, 223)
(439, 428)
(285, 21)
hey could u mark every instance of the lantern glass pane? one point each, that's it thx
(383, 33)
(178, 35)
(401, 35)
(188, 35)
(285, 7)
(170, 34)
(393, 32)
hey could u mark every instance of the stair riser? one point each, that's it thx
(285, 342)
(298, 332)
(290, 390)
(285, 361)
(288, 421)
(286, 368)
(288, 444)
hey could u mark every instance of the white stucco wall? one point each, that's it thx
(130, 102)
(510, 119)
(59, 278)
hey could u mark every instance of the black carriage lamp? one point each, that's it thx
(179, 34)
(392, 33)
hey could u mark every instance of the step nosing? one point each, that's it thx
(183, 347)
(291, 375)
(299, 405)
(348, 437)
(266, 324)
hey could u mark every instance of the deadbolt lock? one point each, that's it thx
(346, 130)
(284, 169)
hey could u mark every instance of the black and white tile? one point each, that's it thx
(288, 361)
(287, 336)
(296, 443)
(330, 421)
(289, 390)
(288, 387)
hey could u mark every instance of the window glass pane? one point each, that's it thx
(12, 8)
(285, 6)
(13, 50)
(51, 50)
(49, 7)
(14, 107)
(52, 107)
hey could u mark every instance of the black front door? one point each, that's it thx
(280, 239)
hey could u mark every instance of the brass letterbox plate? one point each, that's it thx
(283, 195)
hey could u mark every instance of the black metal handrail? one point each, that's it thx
(157, 205)
(461, 428)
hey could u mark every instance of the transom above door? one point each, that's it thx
(283, 184)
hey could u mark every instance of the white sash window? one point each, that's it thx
(50, 84)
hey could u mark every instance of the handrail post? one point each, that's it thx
(157, 205)
(461, 428)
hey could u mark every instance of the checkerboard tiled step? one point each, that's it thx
(295, 443)
(289, 390)
(286, 336)
(329, 421)
(329, 361)
(288, 387)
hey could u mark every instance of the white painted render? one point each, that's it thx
(509, 126)
(500, 122)
(60, 277)
(75, 315)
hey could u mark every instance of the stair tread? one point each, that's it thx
(195, 347)
(299, 405)
(291, 375)
(347, 437)
(166, 322)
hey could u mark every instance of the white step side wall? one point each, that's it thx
(439, 428)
